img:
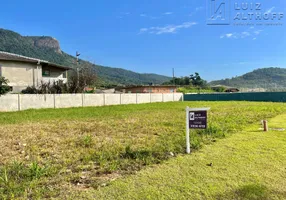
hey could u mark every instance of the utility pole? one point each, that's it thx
(77, 69)
(174, 83)
(174, 76)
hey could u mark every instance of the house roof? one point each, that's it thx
(6, 56)
(148, 86)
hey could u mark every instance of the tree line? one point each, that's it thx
(194, 80)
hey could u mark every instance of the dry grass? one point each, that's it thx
(246, 166)
(87, 148)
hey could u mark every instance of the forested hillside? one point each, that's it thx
(48, 48)
(268, 78)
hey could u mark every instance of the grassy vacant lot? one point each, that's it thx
(87, 152)
(248, 165)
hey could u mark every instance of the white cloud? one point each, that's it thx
(167, 29)
(257, 32)
(168, 13)
(269, 10)
(143, 29)
(245, 34)
(148, 16)
(241, 35)
(254, 38)
(228, 35)
(197, 9)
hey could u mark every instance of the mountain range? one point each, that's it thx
(267, 78)
(48, 48)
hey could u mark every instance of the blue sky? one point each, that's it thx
(154, 36)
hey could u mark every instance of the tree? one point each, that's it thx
(82, 77)
(4, 88)
(183, 81)
(197, 81)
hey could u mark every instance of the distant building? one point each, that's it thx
(224, 88)
(231, 90)
(22, 71)
(149, 89)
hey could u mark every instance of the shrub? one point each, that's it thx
(47, 88)
(4, 88)
(30, 90)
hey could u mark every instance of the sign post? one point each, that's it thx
(196, 118)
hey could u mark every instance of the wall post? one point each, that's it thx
(54, 95)
(265, 126)
(82, 100)
(19, 102)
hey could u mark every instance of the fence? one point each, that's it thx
(17, 102)
(253, 96)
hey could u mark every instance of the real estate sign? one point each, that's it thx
(196, 118)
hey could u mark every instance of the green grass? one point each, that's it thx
(81, 149)
(248, 165)
(195, 90)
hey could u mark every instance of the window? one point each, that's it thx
(46, 72)
(65, 75)
(172, 90)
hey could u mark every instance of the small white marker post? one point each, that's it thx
(198, 120)
(188, 150)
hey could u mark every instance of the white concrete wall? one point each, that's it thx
(53, 80)
(19, 73)
(68, 100)
(9, 103)
(93, 99)
(112, 99)
(30, 101)
(156, 98)
(179, 97)
(169, 97)
(143, 98)
(128, 98)
(15, 102)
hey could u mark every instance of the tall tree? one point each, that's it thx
(82, 77)
(197, 81)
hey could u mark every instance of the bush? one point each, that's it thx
(30, 90)
(219, 89)
(191, 89)
(47, 88)
(4, 88)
